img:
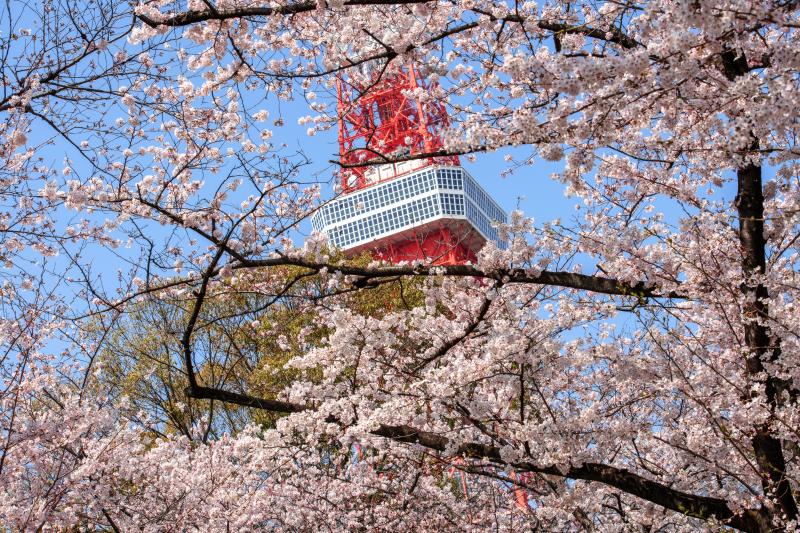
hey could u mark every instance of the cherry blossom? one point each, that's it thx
(631, 366)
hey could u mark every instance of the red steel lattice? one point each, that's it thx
(383, 120)
(383, 124)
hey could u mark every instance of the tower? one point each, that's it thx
(401, 198)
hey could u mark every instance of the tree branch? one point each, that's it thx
(703, 507)
(192, 17)
(760, 343)
(758, 338)
(447, 346)
(612, 35)
(186, 18)
(568, 280)
(208, 393)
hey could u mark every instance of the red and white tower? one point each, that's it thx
(423, 207)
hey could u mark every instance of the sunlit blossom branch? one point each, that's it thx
(447, 346)
(683, 502)
(187, 18)
(622, 479)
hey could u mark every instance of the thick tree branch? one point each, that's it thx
(702, 507)
(568, 280)
(186, 18)
(207, 393)
(612, 35)
(759, 341)
(192, 17)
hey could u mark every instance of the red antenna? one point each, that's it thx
(381, 120)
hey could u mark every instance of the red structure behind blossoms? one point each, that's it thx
(389, 129)
(384, 120)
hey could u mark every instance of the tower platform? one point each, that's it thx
(436, 213)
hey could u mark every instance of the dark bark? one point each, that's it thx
(702, 507)
(193, 17)
(188, 18)
(567, 280)
(276, 406)
(758, 340)
(612, 35)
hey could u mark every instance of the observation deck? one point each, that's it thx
(410, 208)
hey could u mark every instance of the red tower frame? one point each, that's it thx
(382, 119)
(384, 122)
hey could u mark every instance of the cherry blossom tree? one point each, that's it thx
(631, 366)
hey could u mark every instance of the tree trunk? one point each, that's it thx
(759, 344)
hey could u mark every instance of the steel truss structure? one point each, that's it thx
(402, 198)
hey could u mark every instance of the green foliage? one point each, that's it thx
(242, 342)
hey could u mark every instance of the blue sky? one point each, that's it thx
(529, 187)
